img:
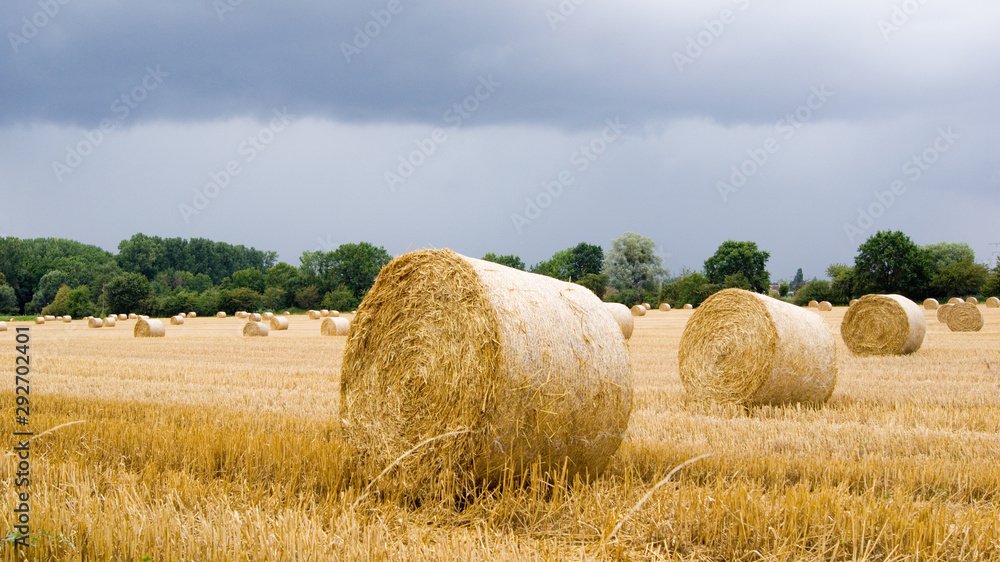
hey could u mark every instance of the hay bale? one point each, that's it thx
(324, 313)
(638, 310)
(279, 323)
(746, 348)
(335, 327)
(254, 317)
(943, 311)
(110, 321)
(884, 325)
(931, 304)
(315, 315)
(220, 314)
(254, 329)
(133, 316)
(972, 300)
(49, 317)
(623, 316)
(965, 317)
(664, 306)
(955, 300)
(527, 368)
(267, 316)
(67, 318)
(148, 328)
(95, 323)
(176, 320)
(39, 320)
(647, 306)
(3, 326)
(813, 304)
(334, 314)
(688, 306)
(992, 302)
(286, 313)
(825, 306)
(852, 303)
(192, 314)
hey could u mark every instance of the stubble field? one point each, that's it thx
(205, 445)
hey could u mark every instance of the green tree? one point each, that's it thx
(58, 305)
(142, 254)
(8, 300)
(283, 276)
(691, 287)
(597, 282)
(815, 290)
(944, 254)
(48, 285)
(959, 279)
(357, 266)
(738, 281)
(889, 262)
(275, 298)
(587, 259)
(251, 278)
(739, 257)
(240, 298)
(559, 266)
(841, 284)
(783, 289)
(340, 299)
(308, 297)
(797, 281)
(632, 263)
(510, 260)
(991, 287)
(126, 292)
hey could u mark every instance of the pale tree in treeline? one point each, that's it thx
(632, 262)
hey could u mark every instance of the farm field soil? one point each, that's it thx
(205, 445)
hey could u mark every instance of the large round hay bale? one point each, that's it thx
(255, 329)
(664, 306)
(955, 300)
(192, 314)
(523, 368)
(647, 306)
(623, 316)
(638, 310)
(176, 320)
(688, 306)
(884, 325)
(148, 328)
(825, 306)
(992, 302)
(110, 321)
(943, 311)
(315, 315)
(279, 323)
(335, 327)
(220, 314)
(852, 303)
(95, 323)
(972, 300)
(67, 318)
(133, 316)
(931, 304)
(965, 317)
(746, 348)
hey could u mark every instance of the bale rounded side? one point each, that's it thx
(220, 314)
(110, 321)
(972, 300)
(3, 326)
(335, 327)
(148, 328)
(95, 323)
(176, 320)
(825, 306)
(255, 329)
(192, 314)
(688, 306)
(279, 323)
(665, 306)
(884, 325)
(623, 316)
(314, 315)
(943, 311)
(638, 310)
(992, 302)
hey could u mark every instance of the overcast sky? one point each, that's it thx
(518, 127)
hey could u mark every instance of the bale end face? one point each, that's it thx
(884, 325)
(638, 310)
(176, 320)
(255, 329)
(931, 304)
(335, 327)
(220, 314)
(993, 302)
(623, 316)
(825, 306)
(192, 314)
(665, 306)
(315, 315)
(965, 317)
(688, 306)
(148, 328)
(279, 323)
(95, 323)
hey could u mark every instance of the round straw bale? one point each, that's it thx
(334, 314)
(638, 310)
(884, 325)
(826, 306)
(972, 300)
(49, 317)
(39, 320)
(931, 304)
(523, 368)
(965, 317)
(992, 302)
(220, 314)
(176, 320)
(813, 304)
(95, 323)
(647, 306)
(279, 323)
(335, 327)
(143, 317)
(267, 315)
(324, 313)
(664, 306)
(746, 348)
(67, 318)
(192, 314)
(254, 317)
(943, 311)
(623, 316)
(3, 326)
(955, 300)
(133, 316)
(254, 329)
(688, 306)
(315, 315)
(853, 302)
(286, 313)
(110, 321)
(148, 328)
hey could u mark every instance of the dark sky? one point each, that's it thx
(512, 127)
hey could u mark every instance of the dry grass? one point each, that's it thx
(204, 445)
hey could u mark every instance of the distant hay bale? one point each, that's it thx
(315, 315)
(123, 316)
(688, 306)
(992, 302)
(955, 300)
(176, 320)
(623, 316)
(335, 327)
(972, 300)
(148, 328)
(279, 323)
(39, 320)
(192, 314)
(943, 311)
(813, 304)
(220, 314)
(884, 325)
(665, 306)
(523, 367)
(254, 317)
(825, 306)
(638, 310)
(110, 321)
(334, 314)
(67, 318)
(746, 348)
(931, 304)
(286, 313)
(133, 316)
(254, 329)
(49, 317)
(965, 317)
(324, 313)
(95, 323)
(267, 315)
(647, 306)
(3, 326)
(853, 302)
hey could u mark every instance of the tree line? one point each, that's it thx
(166, 276)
